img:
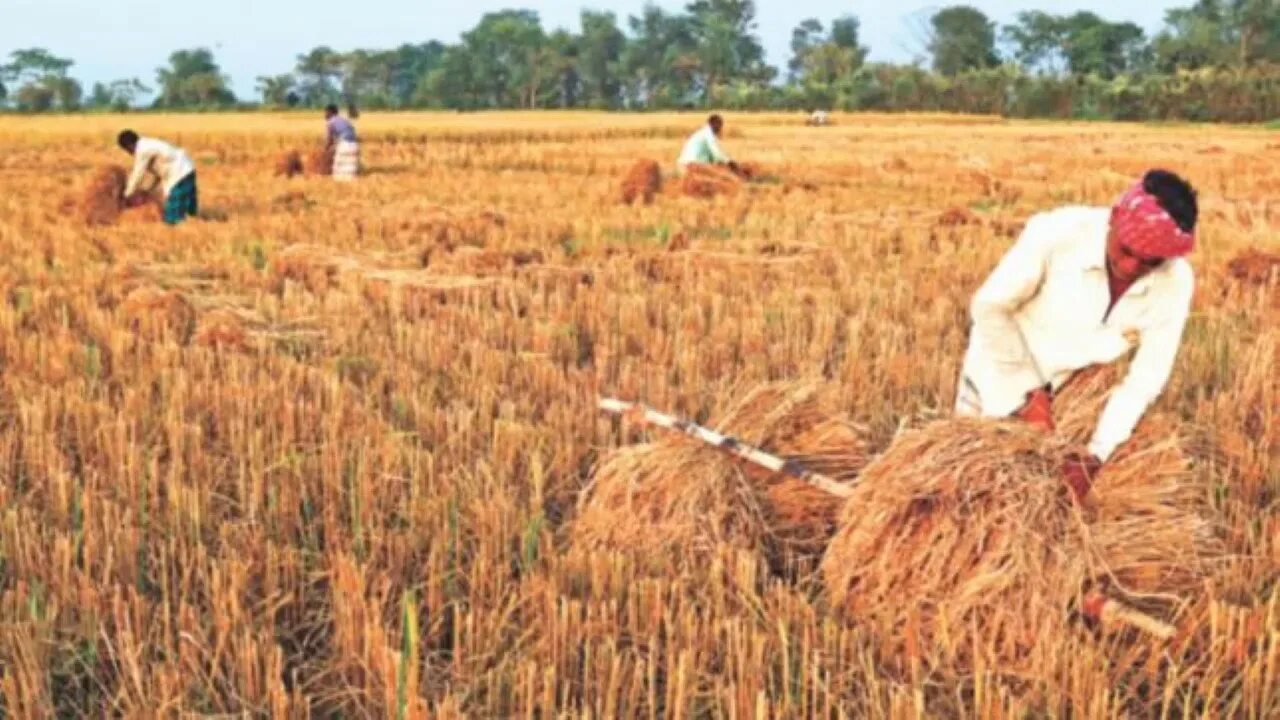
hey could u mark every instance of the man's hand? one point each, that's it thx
(1039, 410)
(1079, 471)
(734, 167)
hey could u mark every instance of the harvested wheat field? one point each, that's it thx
(335, 450)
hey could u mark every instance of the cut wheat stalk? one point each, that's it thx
(727, 443)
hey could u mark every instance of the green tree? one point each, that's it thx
(804, 38)
(728, 49)
(1037, 39)
(410, 65)
(560, 58)
(118, 95)
(278, 90)
(319, 73)
(962, 38)
(42, 81)
(1092, 45)
(826, 64)
(600, 50)
(660, 60)
(192, 79)
(1219, 33)
(506, 53)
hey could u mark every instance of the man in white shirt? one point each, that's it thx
(703, 147)
(171, 165)
(1082, 286)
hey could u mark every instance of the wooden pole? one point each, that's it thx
(729, 444)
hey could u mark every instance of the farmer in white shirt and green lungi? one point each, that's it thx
(1080, 287)
(703, 147)
(169, 163)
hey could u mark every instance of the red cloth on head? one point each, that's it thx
(1147, 229)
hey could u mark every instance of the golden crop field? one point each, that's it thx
(318, 453)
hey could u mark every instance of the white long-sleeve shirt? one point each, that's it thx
(1039, 317)
(702, 147)
(168, 162)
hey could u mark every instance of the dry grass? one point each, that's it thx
(325, 457)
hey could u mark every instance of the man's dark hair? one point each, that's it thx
(715, 120)
(127, 140)
(1175, 195)
(330, 110)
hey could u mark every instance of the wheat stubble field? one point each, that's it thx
(318, 454)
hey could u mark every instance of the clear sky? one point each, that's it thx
(128, 38)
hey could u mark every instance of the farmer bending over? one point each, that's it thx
(703, 147)
(341, 143)
(1081, 286)
(171, 164)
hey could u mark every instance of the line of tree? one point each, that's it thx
(1214, 60)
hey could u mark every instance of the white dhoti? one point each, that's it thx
(346, 160)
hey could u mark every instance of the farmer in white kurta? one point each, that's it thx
(1080, 287)
(703, 147)
(169, 163)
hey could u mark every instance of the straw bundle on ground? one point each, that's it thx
(289, 164)
(101, 201)
(415, 292)
(707, 181)
(154, 312)
(642, 182)
(961, 547)
(319, 162)
(675, 499)
(221, 328)
(450, 228)
(315, 266)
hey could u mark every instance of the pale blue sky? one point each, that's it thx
(127, 38)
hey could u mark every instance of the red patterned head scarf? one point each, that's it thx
(1146, 228)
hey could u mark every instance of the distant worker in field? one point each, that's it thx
(817, 118)
(1080, 287)
(703, 147)
(341, 144)
(171, 165)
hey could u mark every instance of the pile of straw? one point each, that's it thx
(102, 199)
(317, 267)
(675, 499)
(642, 182)
(961, 547)
(708, 181)
(450, 228)
(417, 292)
(289, 164)
(221, 328)
(319, 162)
(153, 312)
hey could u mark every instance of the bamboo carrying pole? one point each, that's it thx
(729, 444)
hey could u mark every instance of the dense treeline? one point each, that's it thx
(1215, 60)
